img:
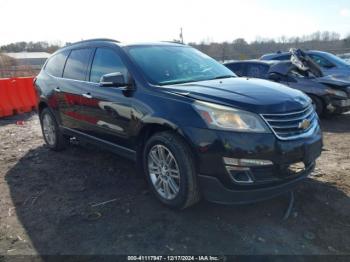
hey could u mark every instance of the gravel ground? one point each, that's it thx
(50, 203)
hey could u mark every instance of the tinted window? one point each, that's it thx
(56, 63)
(257, 70)
(282, 57)
(321, 61)
(106, 61)
(236, 68)
(77, 63)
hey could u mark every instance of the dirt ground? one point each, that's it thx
(50, 203)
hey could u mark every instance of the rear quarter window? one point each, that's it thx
(77, 64)
(56, 63)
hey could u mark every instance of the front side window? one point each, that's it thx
(77, 63)
(56, 63)
(106, 61)
(321, 61)
(165, 65)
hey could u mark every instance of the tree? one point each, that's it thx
(40, 46)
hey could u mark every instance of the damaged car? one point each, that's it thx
(329, 63)
(330, 94)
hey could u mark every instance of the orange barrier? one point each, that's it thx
(17, 95)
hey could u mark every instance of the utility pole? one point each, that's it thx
(181, 36)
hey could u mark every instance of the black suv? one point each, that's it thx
(193, 127)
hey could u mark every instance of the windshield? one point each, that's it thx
(337, 60)
(165, 65)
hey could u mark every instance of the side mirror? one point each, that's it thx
(113, 80)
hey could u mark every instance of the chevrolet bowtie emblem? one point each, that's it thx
(304, 124)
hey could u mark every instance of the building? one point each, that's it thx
(33, 59)
(21, 63)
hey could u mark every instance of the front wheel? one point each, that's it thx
(170, 170)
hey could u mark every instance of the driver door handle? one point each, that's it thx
(87, 95)
(57, 89)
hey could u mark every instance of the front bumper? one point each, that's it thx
(217, 182)
(214, 191)
(338, 105)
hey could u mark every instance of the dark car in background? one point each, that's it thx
(191, 125)
(330, 64)
(329, 94)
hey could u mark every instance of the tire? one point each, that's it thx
(318, 105)
(173, 146)
(55, 140)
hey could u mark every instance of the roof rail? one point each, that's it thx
(95, 39)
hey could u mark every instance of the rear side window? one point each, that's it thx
(236, 68)
(56, 63)
(77, 64)
(257, 70)
(106, 61)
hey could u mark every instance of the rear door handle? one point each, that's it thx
(87, 95)
(57, 89)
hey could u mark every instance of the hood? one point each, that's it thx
(255, 95)
(334, 81)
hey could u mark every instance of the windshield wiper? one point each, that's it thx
(194, 80)
(176, 82)
(222, 77)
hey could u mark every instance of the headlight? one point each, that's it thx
(336, 92)
(227, 118)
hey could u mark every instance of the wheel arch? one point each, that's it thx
(42, 104)
(150, 128)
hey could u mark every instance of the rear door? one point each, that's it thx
(54, 71)
(72, 87)
(109, 106)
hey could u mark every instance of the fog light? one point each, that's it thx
(246, 162)
(240, 175)
(296, 168)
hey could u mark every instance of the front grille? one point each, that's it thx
(290, 125)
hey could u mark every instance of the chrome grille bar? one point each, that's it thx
(290, 125)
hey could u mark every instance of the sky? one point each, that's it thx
(63, 21)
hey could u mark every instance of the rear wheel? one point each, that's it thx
(53, 137)
(170, 170)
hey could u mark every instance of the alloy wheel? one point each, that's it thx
(49, 129)
(164, 172)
